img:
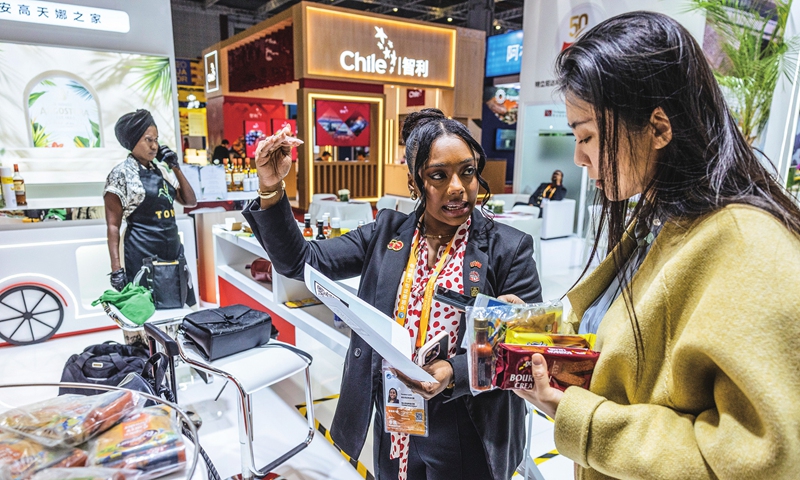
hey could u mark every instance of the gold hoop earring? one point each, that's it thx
(414, 195)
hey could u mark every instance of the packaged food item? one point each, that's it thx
(493, 323)
(20, 457)
(86, 473)
(516, 337)
(567, 366)
(148, 441)
(69, 420)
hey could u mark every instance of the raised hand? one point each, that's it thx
(274, 157)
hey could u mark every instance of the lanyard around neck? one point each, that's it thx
(430, 287)
(549, 191)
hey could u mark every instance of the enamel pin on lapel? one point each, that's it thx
(395, 245)
(475, 264)
(474, 277)
(474, 291)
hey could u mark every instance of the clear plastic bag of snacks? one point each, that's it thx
(20, 457)
(87, 473)
(148, 441)
(70, 420)
(498, 337)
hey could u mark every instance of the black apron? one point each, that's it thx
(152, 230)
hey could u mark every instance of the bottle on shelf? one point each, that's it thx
(228, 174)
(308, 232)
(320, 231)
(250, 177)
(19, 188)
(482, 358)
(238, 176)
(326, 225)
(7, 182)
(336, 228)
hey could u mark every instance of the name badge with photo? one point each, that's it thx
(404, 411)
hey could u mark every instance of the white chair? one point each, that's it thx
(558, 218)
(509, 199)
(386, 202)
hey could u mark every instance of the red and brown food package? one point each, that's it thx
(567, 366)
(20, 457)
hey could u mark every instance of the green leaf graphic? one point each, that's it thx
(95, 134)
(47, 83)
(80, 90)
(40, 137)
(155, 79)
(81, 142)
(33, 97)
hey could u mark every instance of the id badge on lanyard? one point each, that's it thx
(404, 411)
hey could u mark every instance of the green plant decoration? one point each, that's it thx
(47, 83)
(755, 57)
(155, 80)
(33, 97)
(40, 137)
(95, 134)
(80, 90)
(81, 142)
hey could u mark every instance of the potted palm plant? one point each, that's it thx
(746, 45)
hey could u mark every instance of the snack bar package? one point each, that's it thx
(567, 366)
(489, 326)
(20, 457)
(148, 441)
(87, 473)
(69, 420)
(515, 337)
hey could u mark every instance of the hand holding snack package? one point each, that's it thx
(502, 339)
(148, 440)
(20, 457)
(69, 420)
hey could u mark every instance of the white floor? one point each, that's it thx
(279, 425)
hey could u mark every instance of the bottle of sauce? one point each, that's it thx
(228, 174)
(308, 232)
(336, 228)
(482, 358)
(238, 176)
(320, 230)
(326, 224)
(19, 188)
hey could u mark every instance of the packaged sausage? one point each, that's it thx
(567, 366)
(87, 473)
(69, 420)
(20, 457)
(148, 441)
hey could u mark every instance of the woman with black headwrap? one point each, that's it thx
(141, 190)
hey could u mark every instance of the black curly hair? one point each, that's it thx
(420, 130)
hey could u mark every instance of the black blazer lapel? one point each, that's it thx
(393, 259)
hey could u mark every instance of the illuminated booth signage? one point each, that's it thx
(504, 54)
(344, 45)
(212, 72)
(65, 15)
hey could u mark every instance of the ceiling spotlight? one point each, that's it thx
(497, 27)
(394, 9)
(449, 19)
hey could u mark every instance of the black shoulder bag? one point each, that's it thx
(104, 364)
(220, 332)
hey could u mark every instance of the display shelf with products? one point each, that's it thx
(233, 251)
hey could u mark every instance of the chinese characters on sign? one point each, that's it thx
(65, 15)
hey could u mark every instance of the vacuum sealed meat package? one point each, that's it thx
(148, 441)
(20, 457)
(87, 473)
(69, 420)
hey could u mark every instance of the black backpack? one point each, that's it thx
(104, 364)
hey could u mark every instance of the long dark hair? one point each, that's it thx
(625, 68)
(420, 130)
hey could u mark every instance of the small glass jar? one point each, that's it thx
(344, 195)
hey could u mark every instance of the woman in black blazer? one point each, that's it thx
(470, 437)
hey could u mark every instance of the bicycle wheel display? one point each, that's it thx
(29, 314)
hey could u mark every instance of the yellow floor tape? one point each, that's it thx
(360, 467)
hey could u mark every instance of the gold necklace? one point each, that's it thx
(439, 237)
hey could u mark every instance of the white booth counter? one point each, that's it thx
(50, 272)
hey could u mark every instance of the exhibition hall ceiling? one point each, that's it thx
(507, 13)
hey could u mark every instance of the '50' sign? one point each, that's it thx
(577, 23)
